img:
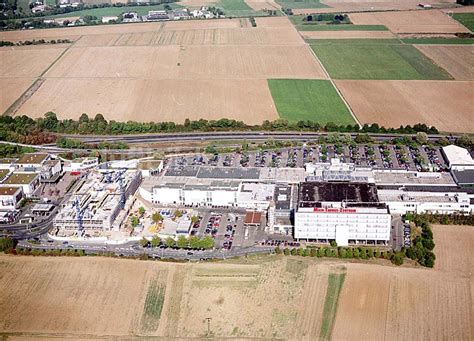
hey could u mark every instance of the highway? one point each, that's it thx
(132, 249)
(227, 135)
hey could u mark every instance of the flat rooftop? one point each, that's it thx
(3, 173)
(253, 218)
(413, 178)
(228, 173)
(282, 197)
(8, 190)
(20, 178)
(311, 193)
(33, 158)
(465, 177)
(7, 161)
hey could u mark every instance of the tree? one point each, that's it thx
(156, 217)
(6, 243)
(194, 219)
(286, 251)
(170, 242)
(207, 242)
(135, 221)
(278, 251)
(182, 242)
(194, 242)
(397, 258)
(178, 214)
(141, 211)
(155, 241)
(144, 242)
(333, 243)
(293, 252)
(313, 252)
(422, 137)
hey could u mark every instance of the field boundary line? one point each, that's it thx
(333, 83)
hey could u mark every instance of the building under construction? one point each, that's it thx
(97, 201)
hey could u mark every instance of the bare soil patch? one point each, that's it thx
(148, 100)
(26, 62)
(347, 34)
(432, 21)
(457, 60)
(12, 88)
(445, 104)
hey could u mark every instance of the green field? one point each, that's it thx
(155, 298)
(467, 19)
(108, 11)
(309, 100)
(236, 8)
(300, 4)
(335, 283)
(441, 41)
(353, 41)
(341, 27)
(344, 60)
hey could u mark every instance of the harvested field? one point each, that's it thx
(154, 100)
(457, 60)
(433, 21)
(347, 35)
(27, 61)
(254, 297)
(258, 5)
(12, 88)
(415, 304)
(201, 24)
(60, 295)
(446, 105)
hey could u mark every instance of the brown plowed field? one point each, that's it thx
(11, 89)
(433, 21)
(148, 100)
(457, 60)
(26, 62)
(347, 34)
(446, 105)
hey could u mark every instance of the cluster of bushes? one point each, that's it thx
(6, 244)
(34, 42)
(7, 150)
(64, 142)
(443, 219)
(328, 17)
(191, 243)
(343, 252)
(253, 22)
(422, 245)
(53, 252)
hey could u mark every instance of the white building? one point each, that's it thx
(10, 197)
(81, 164)
(402, 202)
(348, 213)
(32, 161)
(108, 19)
(458, 158)
(28, 181)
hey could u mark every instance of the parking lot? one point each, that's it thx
(379, 156)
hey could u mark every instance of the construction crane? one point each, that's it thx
(79, 213)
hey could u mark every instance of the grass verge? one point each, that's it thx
(335, 283)
(441, 41)
(300, 4)
(314, 100)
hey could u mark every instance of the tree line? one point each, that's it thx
(25, 129)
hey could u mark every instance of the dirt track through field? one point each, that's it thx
(445, 104)
(457, 60)
(12, 88)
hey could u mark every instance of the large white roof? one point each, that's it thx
(457, 155)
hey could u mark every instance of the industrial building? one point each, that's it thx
(28, 181)
(349, 213)
(10, 198)
(97, 201)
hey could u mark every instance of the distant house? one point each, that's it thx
(130, 17)
(108, 19)
(157, 16)
(180, 14)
